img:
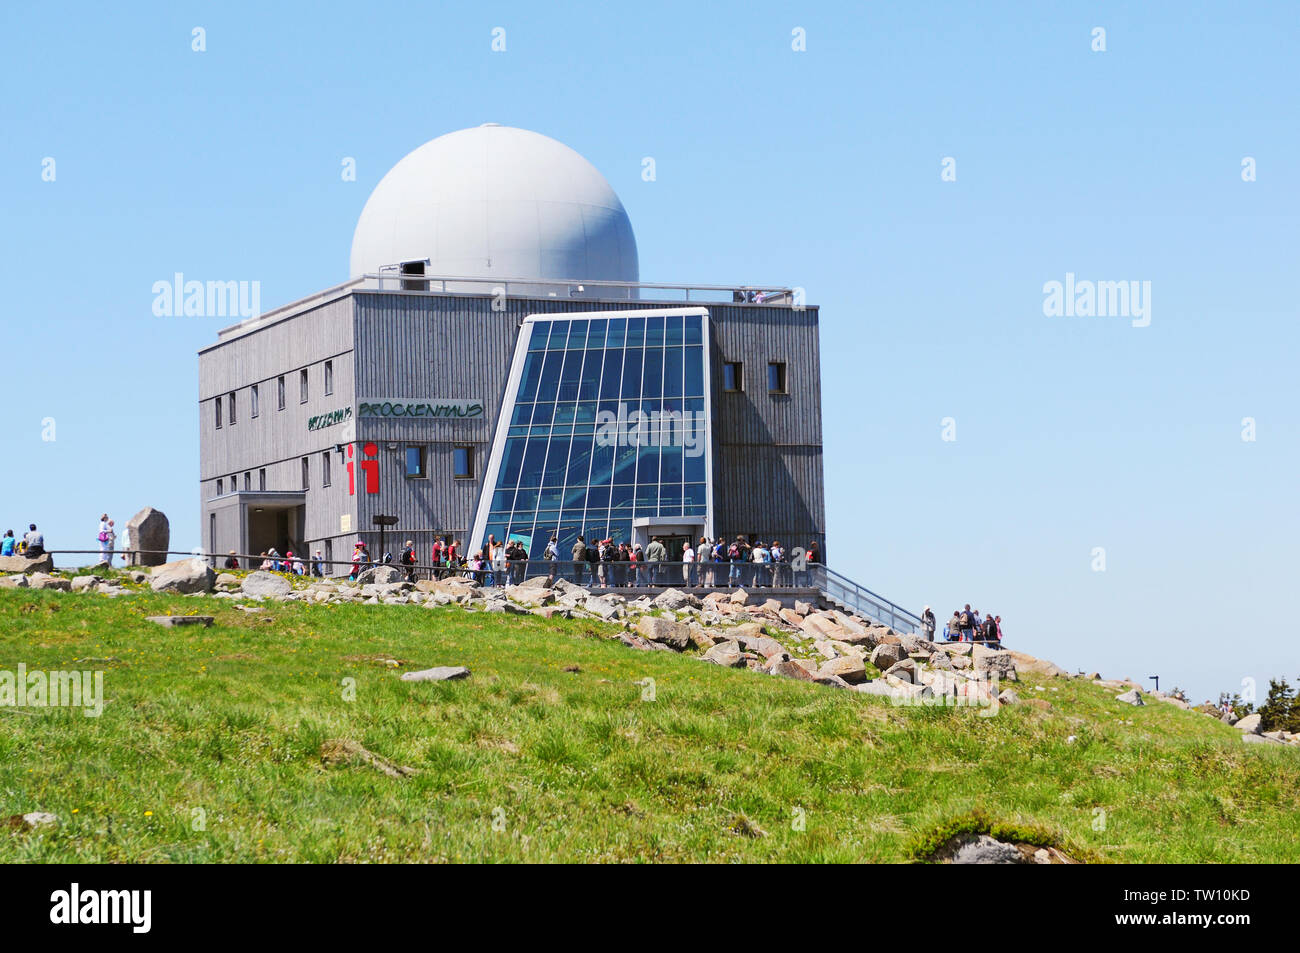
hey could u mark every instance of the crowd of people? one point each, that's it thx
(966, 625)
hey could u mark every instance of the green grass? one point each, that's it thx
(226, 724)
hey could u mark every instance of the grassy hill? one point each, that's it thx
(210, 749)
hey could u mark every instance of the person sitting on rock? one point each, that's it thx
(8, 544)
(35, 541)
(231, 561)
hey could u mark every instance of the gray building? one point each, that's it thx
(494, 365)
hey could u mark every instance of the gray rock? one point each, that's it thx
(994, 662)
(603, 606)
(149, 536)
(24, 565)
(382, 575)
(1260, 739)
(1133, 697)
(848, 668)
(184, 576)
(986, 850)
(675, 600)
(664, 631)
(1250, 724)
(887, 654)
(172, 621)
(40, 580)
(227, 580)
(1008, 697)
(444, 673)
(726, 654)
(18, 581)
(261, 585)
(904, 669)
(81, 583)
(39, 819)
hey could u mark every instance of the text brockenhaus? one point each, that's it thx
(103, 907)
(38, 689)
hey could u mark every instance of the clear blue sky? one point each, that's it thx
(818, 169)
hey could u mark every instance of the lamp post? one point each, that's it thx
(381, 522)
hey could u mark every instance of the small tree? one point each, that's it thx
(1280, 711)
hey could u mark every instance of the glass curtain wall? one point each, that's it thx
(608, 423)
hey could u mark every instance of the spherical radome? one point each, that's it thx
(497, 202)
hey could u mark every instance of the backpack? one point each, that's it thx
(408, 557)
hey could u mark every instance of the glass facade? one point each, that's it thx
(607, 422)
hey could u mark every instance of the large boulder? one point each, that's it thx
(41, 580)
(445, 673)
(994, 662)
(1131, 697)
(261, 585)
(381, 575)
(184, 576)
(664, 631)
(675, 599)
(789, 668)
(1250, 724)
(24, 565)
(149, 536)
(727, 654)
(848, 667)
(1037, 666)
(887, 654)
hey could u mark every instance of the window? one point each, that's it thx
(302, 386)
(306, 473)
(463, 463)
(261, 479)
(217, 406)
(253, 401)
(329, 377)
(325, 468)
(776, 378)
(733, 377)
(221, 486)
(280, 392)
(212, 532)
(329, 557)
(415, 461)
(248, 480)
(232, 408)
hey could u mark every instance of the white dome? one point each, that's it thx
(497, 202)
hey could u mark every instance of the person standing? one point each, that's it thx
(112, 540)
(655, 554)
(579, 556)
(778, 557)
(812, 558)
(317, 564)
(927, 624)
(688, 564)
(103, 538)
(552, 556)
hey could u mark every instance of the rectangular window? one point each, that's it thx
(232, 408)
(329, 557)
(280, 392)
(329, 377)
(463, 463)
(248, 480)
(302, 386)
(261, 479)
(776, 378)
(733, 377)
(212, 532)
(415, 461)
(216, 405)
(253, 409)
(325, 468)
(221, 486)
(306, 473)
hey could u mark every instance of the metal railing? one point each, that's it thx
(396, 280)
(600, 575)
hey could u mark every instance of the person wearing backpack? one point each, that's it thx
(103, 538)
(407, 559)
(579, 556)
